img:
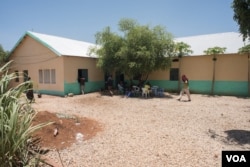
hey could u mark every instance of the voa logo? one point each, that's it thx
(236, 158)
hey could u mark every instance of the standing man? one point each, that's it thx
(110, 85)
(82, 84)
(185, 88)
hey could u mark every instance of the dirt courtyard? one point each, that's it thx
(157, 131)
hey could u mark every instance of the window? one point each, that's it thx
(83, 73)
(175, 60)
(25, 75)
(17, 76)
(40, 76)
(53, 76)
(46, 76)
(174, 74)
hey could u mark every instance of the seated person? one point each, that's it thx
(129, 92)
(147, 89)
(147, 86)
(120, 87)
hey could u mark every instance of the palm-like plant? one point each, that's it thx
(182, 49)
(16, 128)
(214, 51)
(245, 49)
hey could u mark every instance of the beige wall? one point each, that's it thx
(32, 56)
(197, 67)
(159, 75)
(72, 64)
(162, 74)
(232, 67)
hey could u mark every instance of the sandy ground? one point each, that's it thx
(157, 132)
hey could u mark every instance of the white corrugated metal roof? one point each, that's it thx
(68, 47)
(64, 46)
(232, 41)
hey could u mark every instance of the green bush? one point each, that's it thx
(16, 115)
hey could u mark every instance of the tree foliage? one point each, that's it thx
(244, 49)
(3, 55)
(138, 51)
(242, 16)
(215, 50)
(182, 49)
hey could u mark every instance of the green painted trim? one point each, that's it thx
(43, 43)
(37, 39)
(171, 86)
(202, 87)
(232, 88)
(51, 92)
(236, 88)
(18, 42)
(89, 87)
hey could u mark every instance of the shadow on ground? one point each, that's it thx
(232, 137)
(239, 136)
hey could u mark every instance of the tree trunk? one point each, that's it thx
(179, 80)
(214, 70)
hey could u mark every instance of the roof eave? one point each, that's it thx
(43, 43)
(27, 33)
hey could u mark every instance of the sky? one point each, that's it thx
(82, 19)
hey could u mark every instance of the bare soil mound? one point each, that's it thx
(69, 129)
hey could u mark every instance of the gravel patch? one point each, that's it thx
(155, 131)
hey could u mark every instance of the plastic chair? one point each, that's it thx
(136, 90)
(154, 90)
(160, 92)
(145, 92)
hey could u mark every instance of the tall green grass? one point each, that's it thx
(16, 129)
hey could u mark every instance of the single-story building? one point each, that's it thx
(232, 41)
(55, 65)
(231, 73)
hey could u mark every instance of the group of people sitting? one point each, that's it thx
(134, 90)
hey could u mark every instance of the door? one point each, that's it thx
(83, 73)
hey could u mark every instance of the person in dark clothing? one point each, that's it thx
(30, 92)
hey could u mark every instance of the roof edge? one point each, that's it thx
(43, 43)
(28, 33)
(17, 43)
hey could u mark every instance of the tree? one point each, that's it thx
(110, 44)
(214, 51)
(139, 51)
(246, 50)
(181, 49)
(3, 55)
(242, 16)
